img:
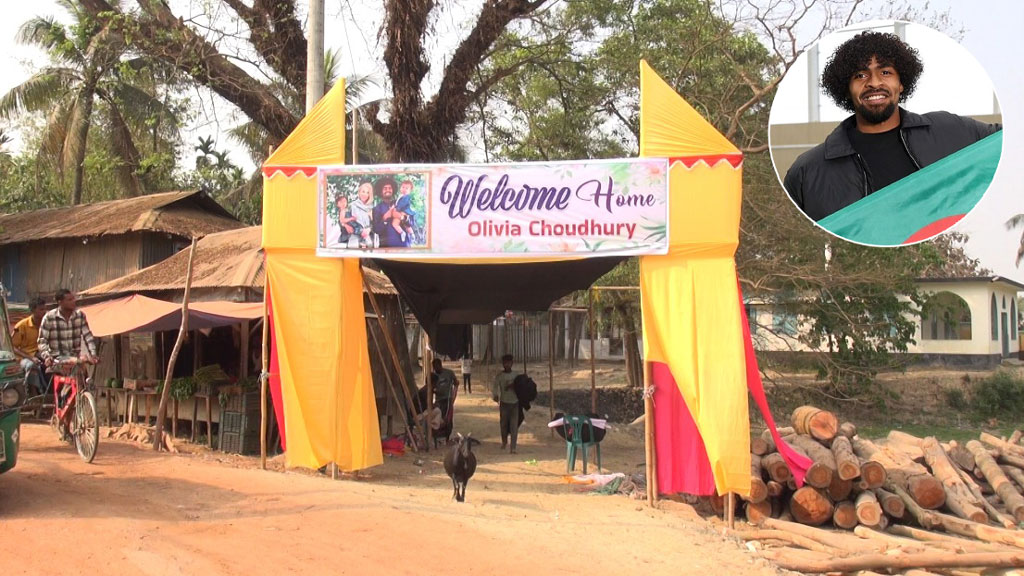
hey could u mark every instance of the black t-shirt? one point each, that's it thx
(885, 155)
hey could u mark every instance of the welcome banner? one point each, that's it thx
(601, 207)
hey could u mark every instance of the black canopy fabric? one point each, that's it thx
(442, 295)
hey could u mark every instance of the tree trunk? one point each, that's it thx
(958, 496)
(756, 512)
(820, 473)
(959, 454)
(891, 503)
(809, 506)
(845, 515)
(768, 440)
(81, 118)
(802, 563)
(820, 424)
(903, 472)
(776, 467)
(1011, 498)
(869, 512)
(161, 413)
(758, 489)
(930, 519)
(839, 489)
(848, 429)
(847, 464)
(634, 366)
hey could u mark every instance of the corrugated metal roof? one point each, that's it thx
(187, 214)
(232, 259)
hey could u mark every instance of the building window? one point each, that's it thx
(751, 318)
(1013, 319)
(946, 316)
(995, 319)
(784, 323)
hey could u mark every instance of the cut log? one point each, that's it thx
(1015, 474)
(774, 488)
(994, 474)
(993, 512)
(930, 519)
(945, 541)
(805, 563)
(815, 422)
(1015, 437)
(904, 472)
(776, 467)
(961, 456)
(769, 441)
(756, 512)
(1004, 446)
(821, 471)
(1010, 459)
(784, 536)
(959, 498)
(891, 503)
(845, 515)
(759, 447)
(872, 474)
(809, 506)
(847, 464)
(848, 430)
(785, 431)
(758, 491)
(844, 542)
(717, 502)
(869, 512)
(839, 489)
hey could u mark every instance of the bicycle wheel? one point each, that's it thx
(87, 429)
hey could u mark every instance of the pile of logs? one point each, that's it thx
(896, 495)
(140, 434)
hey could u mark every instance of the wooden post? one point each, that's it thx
(391, 386)
(652, 477)
(243, 344)
(730, 510)
(427, 369)
(264, 375)
(551, 368)
(524, 343)
(161, 413)
(390, 343)
(593, 369)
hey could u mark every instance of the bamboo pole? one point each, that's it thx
(388, 342)
(161, 413)
(593, 368)
(426, 370)
(651, 468)
(391, 385)
(264, 374)
(551, 369)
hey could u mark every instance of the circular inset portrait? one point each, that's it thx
(886, 133)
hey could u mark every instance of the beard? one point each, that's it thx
(874, 115)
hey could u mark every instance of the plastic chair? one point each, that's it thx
(579, 433)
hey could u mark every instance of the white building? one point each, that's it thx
(966, 322)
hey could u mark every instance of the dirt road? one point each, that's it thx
(136, 512)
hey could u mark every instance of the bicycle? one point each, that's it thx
(74, 415)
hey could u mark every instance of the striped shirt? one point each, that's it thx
(63, 337)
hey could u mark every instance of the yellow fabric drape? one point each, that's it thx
(320, 333)
(319, 320)
(691, 319)
(319, 138)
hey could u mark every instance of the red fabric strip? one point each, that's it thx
(683, 464)
(934, 228)
(289, 171)
(734, 159)
(275, 371)
(797, 463)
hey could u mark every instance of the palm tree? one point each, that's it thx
(90, 65)
(1017, 222)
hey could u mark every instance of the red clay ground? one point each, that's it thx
(136, 512)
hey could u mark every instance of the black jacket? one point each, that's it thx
(831, 176)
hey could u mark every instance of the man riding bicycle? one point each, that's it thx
(25, 337)
(62, 331)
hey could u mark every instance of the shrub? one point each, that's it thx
(1002, 392)
(955, 398)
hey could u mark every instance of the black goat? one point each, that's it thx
(460, 464)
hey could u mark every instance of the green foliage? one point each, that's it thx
(1001, 394)
(955, 398)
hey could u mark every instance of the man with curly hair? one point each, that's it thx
(870, 75)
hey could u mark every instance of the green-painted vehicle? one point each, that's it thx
(12, 392)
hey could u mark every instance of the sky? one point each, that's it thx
(991, 30)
